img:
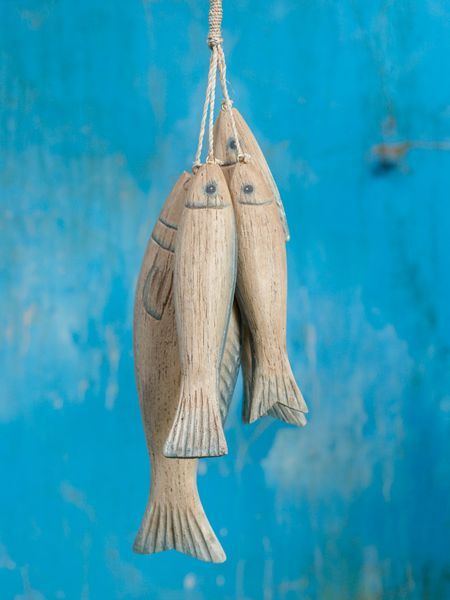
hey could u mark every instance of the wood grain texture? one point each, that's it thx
(261, 291)
(174, 517)
(226, 151)
(204, 281)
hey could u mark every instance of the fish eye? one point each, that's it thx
(211, 188)
(248, 188)
(232, 144)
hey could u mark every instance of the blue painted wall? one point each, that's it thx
(99, 111)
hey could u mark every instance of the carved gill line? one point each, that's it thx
(170, 248)
(167, 224)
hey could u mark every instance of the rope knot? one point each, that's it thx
(227, 104)
(244, 157)
(214, 40)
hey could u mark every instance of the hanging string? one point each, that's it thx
(228, 104)
(207, 106)
(217, 61)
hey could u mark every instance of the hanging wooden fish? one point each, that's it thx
(174, 517)
(261, 291)
(229, 127)
(278, 411)
(204, 281)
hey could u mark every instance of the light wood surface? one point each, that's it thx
(204, 281)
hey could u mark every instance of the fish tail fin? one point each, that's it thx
(197, 429)
(168, 526)
(288, 415)
(272, 386)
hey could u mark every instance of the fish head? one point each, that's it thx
(249, 186)
(208, 188)
(171, 211)
(225, 139)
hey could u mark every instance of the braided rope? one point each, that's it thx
(215, 23)
(217, 61)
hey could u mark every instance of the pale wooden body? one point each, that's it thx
(174, 517)
(204, 283)
(261, 290)
(226, 151)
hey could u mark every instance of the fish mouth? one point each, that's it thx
(199, 204)
(256, 203)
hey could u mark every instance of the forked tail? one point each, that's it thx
(197, 429)
(271, 386)
(288, 415)
(166, 526)
(278, 411)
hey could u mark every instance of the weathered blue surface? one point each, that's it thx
(100, 105)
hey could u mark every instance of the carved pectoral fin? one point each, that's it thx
(158, 288)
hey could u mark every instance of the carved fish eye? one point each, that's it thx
(211, 188)
(232, 144)
(248, 188)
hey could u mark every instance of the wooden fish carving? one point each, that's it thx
(226, 151)
(261, 291)
(174, 517)
(204, 281)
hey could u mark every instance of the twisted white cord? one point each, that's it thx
(206, 106)
(212, 99)
(217, 61)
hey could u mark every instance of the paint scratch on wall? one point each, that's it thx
(76, 497)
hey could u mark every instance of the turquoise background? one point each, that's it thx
(100, 105)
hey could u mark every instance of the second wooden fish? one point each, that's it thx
(204, 281)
